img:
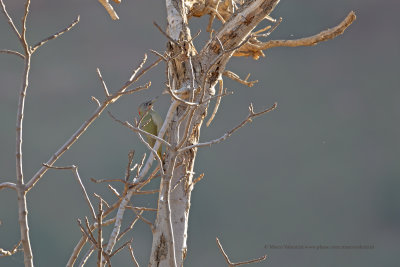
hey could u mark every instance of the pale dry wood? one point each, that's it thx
(249, 118)
(106, 92)
(54, 36)
(315, 39)
(12, 52)
(6, 253)
(232, 264)
(217, 103)
(114, 97)
(9, 20)
(8, 185)
(83, 241)
(236, 78)
(109, 8)
(86, 256)
(133, 255)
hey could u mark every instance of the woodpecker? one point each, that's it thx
(151, 122)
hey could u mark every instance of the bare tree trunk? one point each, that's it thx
(191, 80)
(196, 74)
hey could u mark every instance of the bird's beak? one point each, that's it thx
(154, 100)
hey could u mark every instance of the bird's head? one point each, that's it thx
(146, 106)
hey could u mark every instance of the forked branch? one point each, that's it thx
(232, 264)
(249, 118)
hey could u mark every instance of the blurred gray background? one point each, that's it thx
(322, 169)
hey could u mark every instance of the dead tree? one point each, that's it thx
(192, 75)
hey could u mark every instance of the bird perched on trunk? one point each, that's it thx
(151, 121)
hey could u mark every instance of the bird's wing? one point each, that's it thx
(157, 120)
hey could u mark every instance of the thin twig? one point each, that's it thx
(174, 96)
(315, 39)
(106, 180)
(165, 34)
(271, 29)
(133, 255)
(99, 231)
(12, 52)
(74, 169)
(135, 76)
(9, 20)
(54, 36)
(148, 192)
(103, 83)
(249, 118)
(109, 8)
(121, 247)
(232, 264)
(113, 190)
(6, 253)
(86, 256)
(139, 215)
(130, 226)
(236, 77)
(96, 100)
(83, 240)
(217, 103)
(134, 90)
(128, 171)
(8, 185)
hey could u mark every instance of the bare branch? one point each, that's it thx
(229, 133)
(87, 123)
(9, 20)
(103, 83)
(74, 169)
(113, 190)
(110, 9)
(198, 179)
(148, 192)
(231, 264)
(137, 89)
(217, 103)
(130, 226)
(83, 241)
(142, 208)
(174, 96)
(23, 33)
(99, 231)
(139, 215)
(121, 247)
(5, 253)
(128, 167)
(315, 39)
(139, 67)
(102, 200)
(106, 180)
(54, 36)
(8, 185)
(236, 78)
(270, 29)
(165, 34)
(133, 255)
(86, 256)
(12, 52)
(87, 232)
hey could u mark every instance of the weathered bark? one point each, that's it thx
(194, 75)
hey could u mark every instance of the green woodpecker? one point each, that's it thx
(151, 122)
